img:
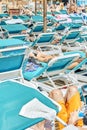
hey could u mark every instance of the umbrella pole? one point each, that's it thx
(35, 7)
(45, 15)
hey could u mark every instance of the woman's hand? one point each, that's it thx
(73, 117)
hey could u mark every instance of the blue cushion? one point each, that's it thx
(60, 64)
(4, 15)
(28, 75)
(24, 17)
(14, 28)
(13, 96)
(10, 42)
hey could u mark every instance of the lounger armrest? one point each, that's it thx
(13, 48)
(62, 122)
(51, 62)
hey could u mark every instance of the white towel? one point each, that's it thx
(36, 109)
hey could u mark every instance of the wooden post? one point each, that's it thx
(7, 2)
(45, 15)
(13, 3)
(35, 7)
(16, 3)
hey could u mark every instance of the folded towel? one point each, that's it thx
(36, 109)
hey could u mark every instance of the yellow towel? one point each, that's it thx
(72, 105)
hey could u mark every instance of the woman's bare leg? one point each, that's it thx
(73, 102)
(58, 97)
(70, 92)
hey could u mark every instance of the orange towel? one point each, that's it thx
(63, 115)
(72, 105)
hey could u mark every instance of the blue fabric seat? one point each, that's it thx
(61, 63)
(29, 75)
(14, 28)
(37, 29)
(24, 17)
(58, 65)
(37, 18)
(44, 39)
(4, 43)
(13, 96)
(4, 15)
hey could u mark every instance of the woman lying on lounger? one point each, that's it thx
(41, 56)
(70, 104)
(32, 38)
(46, 58)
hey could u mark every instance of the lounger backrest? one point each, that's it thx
(13, 97)
(82, 55)
(62, 62)
(24, 17)
(76, 25)
(10, 42)
(44, 38)
(63, 12)
(82, 63)
(14, 28)
(37, 28)
(71, 35)
(37, 18)
(4, 15)
(11, 60)
(60, 27)
(76, 18)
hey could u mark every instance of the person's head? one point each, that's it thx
(73, 8)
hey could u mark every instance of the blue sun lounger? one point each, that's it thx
(14, 28)
(60, 28)
(34, 71)
(37, 18)
(83, 62)
(44, 39)
(11, 60)
(37, 29)
(15, 31)
(76, 18)
(70, 39)
(53, 67)
(25, 18)
(4, 15)
(57, 68)
(12, 103)
(59, 64)
(10, 42)
(14, 95)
